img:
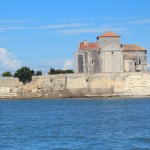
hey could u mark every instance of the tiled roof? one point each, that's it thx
(108, 34)
(87, 46)
(130, 47)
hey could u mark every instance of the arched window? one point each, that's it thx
(139, 61)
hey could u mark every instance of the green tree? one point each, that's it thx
(38, 73)
(7, 74)
(24, 74)
(59, 71)
(68, 71)
(52, 71)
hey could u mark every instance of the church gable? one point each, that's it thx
(111, 47)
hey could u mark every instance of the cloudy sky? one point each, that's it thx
(42, 34)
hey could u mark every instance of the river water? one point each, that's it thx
(75, 124)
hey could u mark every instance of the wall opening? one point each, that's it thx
(80, 63)
(92, 61)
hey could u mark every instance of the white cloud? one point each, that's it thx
(68, 65)
(91, 30)
(7, 25)
(140, 21)
(51, 26)
(14, 21)
(55, 26)
(14, 28)
(46, 33)
(8, 61)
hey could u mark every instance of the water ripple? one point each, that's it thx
(80, 124)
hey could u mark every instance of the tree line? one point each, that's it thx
(25, 74)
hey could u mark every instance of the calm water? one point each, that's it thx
(75, 124)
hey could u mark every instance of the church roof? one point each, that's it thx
(130, 47)
(87, 46)
(108, 34)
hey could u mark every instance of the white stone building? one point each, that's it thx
(107, 54)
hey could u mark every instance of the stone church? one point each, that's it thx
(107, 54)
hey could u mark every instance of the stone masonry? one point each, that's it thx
(109, 55)
(78, 85)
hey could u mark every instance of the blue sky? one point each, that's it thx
(42, 34)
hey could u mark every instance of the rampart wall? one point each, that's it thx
(78, 85)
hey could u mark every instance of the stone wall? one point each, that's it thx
(89, 60)
(106, 40)
(140, 59)
(112, 58)
(129, 65)
(78, 85)
(10, 87)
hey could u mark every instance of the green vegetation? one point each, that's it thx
(24, 74)
(7, 74)
(59, 71)
(38, 73)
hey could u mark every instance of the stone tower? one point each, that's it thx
(111, 52)
(107, 54)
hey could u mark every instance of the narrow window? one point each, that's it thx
(139, 61)
(92, 61)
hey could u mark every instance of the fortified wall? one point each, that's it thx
(78, 85)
